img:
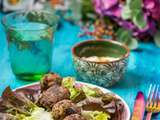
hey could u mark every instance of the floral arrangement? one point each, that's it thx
(130, 20)
(138, 19)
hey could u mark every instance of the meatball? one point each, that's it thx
(49, 80)
(74, 117)
(5, 116)
(63, 108)
(53, 95)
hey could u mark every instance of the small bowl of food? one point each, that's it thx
(101, 62)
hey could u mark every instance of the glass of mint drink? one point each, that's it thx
(29, 36)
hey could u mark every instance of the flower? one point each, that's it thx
(138, 16)
(152, 8)
(107, 7)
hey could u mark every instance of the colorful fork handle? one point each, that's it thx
(149, 115)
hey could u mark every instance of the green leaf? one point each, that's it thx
(132, 43)
(89, 92)
(136, 4)
(126, 38)
(128, 2)
(157, 39)
(139, 21)
(126, 13)
(68, 82)
(133, 10)
(96, 115)
(123, 35)
(87, 11)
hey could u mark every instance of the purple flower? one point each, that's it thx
(152, 7)
(107, 7)
(149, 4)
(113, 9)
(150, 29)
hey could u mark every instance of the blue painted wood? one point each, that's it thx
(143, 67)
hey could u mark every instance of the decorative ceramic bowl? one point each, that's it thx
(105, 73)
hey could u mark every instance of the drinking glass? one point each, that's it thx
(29, 35)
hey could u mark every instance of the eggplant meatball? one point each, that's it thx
(5, 116)
(74, 117)
(49, 80)
(53, 95)
(63, 108)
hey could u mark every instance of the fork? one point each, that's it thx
(152, 105)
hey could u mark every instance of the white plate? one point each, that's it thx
(126, 114)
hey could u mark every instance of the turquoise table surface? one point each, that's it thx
(143, 67)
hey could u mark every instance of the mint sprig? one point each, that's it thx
(133, 11)
(125, 37)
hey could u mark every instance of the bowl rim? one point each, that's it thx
(101, 40)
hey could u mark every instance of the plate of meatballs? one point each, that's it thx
(57, 98)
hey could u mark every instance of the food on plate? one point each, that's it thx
(49, 80)
(21, 108)
(53, 95)
(64, 108)
(74, 117)
(59, 98)
(100, 59)
(96, 115)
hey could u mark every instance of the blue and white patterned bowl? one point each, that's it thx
(100, 73)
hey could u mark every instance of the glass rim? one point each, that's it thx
(4, 18)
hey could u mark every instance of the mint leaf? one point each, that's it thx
(139, 21)
(133, 11)
(136, 4)
(123, 35)
(132, 43)
(126, 13)
(126, 38)
(157, 39)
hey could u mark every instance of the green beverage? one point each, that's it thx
(30, 45)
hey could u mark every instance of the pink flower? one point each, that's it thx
(107, 7)
(152, 7)
(150, 29)
(113, 9)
